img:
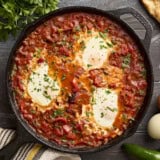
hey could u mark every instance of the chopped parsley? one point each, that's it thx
(142, 92)
(57, 112)
(45, 94)
(89, 113)
(89, 65)
(38, 89)
(37, 53)
(54, 89)
(63, 77)
(46, 78)
(77, 28)
(103, 46)
(124, 117)
(93, 100)
(126, 61)
(111, 109)
(106, 30)
(102, 35)
(144, 73)
(89, 31)
(82, 45)
(107, 91)
(30, 79)
(109, 44)
(33, 111)
(102, 114)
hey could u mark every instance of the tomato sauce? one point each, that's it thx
(55, 42)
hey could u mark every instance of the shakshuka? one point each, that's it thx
(79, 80)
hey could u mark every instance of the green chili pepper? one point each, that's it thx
(141, 153)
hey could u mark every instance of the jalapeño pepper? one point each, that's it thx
(141, 153)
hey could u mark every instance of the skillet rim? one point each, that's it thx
(131, 129)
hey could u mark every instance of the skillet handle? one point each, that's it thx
(21, 138)
(148, 35)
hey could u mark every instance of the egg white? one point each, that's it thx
(95, 51)
(105, 106)
(41, 87)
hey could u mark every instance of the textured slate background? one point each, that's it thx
(140, 137)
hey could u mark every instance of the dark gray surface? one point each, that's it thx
(140, 137)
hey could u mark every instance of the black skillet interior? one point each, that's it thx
(143, 46)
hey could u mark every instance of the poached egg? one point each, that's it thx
(41, 87)
(105, 106)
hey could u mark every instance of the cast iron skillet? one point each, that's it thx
(29, 135)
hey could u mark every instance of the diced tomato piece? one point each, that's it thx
(79, 126)
(96, 76)
(67, 128)
(28, 116)
(94, 72)
(58, 131)
(75, 85)
(89, 25)
(45, 126)
(142, 84)
(79, 72)
(71, 135)
(64, 51)
(60, 19)
(60, 119)
(40, 60)
(98, 81)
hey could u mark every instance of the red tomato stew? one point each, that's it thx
(79, 80)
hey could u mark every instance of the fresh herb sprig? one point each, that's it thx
(15, 14)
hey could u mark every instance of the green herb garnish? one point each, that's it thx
(103, 46)
(89, 65)
(45, 94)
(107, 91)
(126, 61)
(124, 117)
(89, 113)
(106, 30)
(93, 100)
(46, 78)
(102, 35)
(15, 14)
(57, 112)
(82, 45)
(63, 77)
(102, 114)
(89, 31)
(33, 111)
(144, 73)
(77, 28)
(141, 92)
(111, 109)
(109, 44)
